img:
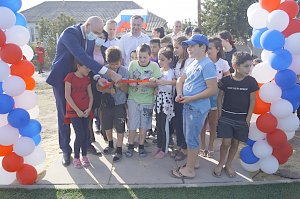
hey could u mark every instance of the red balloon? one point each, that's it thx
(23, 68)
(277, 138)
(290, 7)
(294, 27)
(260, 106)
(4, 150)
(30, 83)
(269, 5)
(2, 38)
(266, 123)
(27, 175)
(283, 153)
(11, 53)
(12, 162)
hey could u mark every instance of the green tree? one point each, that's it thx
(231, 15)
(48, 32)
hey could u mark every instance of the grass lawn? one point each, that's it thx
(282, 191)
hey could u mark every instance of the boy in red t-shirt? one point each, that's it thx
(79, 97)
(40, 57)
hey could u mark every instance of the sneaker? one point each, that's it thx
(77, 163)
(160, 155)
(142, 153)
(85, 161)
(108, 150)
(129, 153)
(117, 157)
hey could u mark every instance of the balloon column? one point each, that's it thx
(20, 136)
(277, 31)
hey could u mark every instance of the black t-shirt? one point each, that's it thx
(228, 58)
(237, 96)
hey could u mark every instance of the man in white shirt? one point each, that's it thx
(111, 29)
(133, 39)
(177, 27)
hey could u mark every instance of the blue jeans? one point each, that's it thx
(193, 122)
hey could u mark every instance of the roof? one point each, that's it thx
(81, 10)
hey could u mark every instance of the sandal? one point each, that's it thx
(77, 163)
(180, 156)
(202, 152)
(85, 161)
(230, 175)
(210, 154)
(217, 175)
(177, 174)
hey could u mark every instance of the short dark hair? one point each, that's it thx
(226, 35)
(218, 45)
(239, 58)
(161, 32)
(137, 17)
(145, 48)
(76, 63)
(188, 30)
(155, 41)
(167, 52)
(113, 54)
(105, 35)
(166, 39)
(196, 30)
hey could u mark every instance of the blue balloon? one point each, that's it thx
(256, 37)
(286, 79)
(32, 129)
(248, 156)
(296, 105)
(14, 5)
(272, 40)
(37, 139)
(21, 20)
(6, 103)
(280, 59)
(250, 142)
(1, 90)
(292, 94)
(18, 118)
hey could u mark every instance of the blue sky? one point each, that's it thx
(170, 10)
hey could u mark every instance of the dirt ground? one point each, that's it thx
(48, 119)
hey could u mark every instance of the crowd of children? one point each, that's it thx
(176, 80)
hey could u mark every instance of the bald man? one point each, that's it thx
(75, 43)
(177, 30)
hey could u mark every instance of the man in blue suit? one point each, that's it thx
(76, 42)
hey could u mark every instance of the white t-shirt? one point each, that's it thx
(222, 67)
(166, 75)
(113, 42)
(178, 71)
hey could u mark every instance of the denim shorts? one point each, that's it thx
(193, 122)
(213, 102)
(232, 128)
(139, 115)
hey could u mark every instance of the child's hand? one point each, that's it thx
(112, 91)
(248, 119)
(178, 98)
(80, 113)
(186, 99)
(102, 81)
(153, 79)
(86, 112)
(118, 84)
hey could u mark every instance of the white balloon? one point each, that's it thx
(40, 168)
(250, 167)
(8, 135)
(290, 123)
(278, 20)
(37, 157)
(34, 112)
(292, 43)
(6, 178)
(281, 108)
(27, 100)
(4, 70)
(27, 52)
(265, 54)
(3, 119)
(17, 35)
(258, 18)
(254, 133)
(269, 164)
(13, 86)
(252, 8)
(263, 72)
(270, 92)
(290, 135)
(9, 16)
(24, 146)
(295, 66)
(262, 149)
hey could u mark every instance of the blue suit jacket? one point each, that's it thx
(71, 45)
